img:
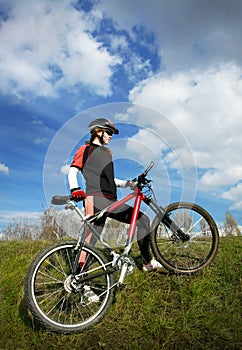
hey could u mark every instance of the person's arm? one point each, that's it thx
(122, 183)
(76, 192)
(72, 177)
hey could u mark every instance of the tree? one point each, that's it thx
(21, 229)
(183, 220)
(45, 227)
(50, 228)
(231, 227)
(205, 229)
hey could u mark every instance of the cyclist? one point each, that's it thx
(94, 160)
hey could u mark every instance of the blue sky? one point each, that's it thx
(169, 73)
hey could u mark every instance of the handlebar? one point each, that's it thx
(142, 177)
(148, 169)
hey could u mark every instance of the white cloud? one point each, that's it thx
(4, 169)
(47, 46)
(234, 194)
(221, 177)
(40, 140)
(188, 33)
(158, 139)
(51, 49)
(65, 169)
(206, 107)
(145, 143)
(37, 121)
(7, 217)
(118, 42)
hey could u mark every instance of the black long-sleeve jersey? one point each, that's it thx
(96, 165)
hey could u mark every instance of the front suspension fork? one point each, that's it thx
(166, 220)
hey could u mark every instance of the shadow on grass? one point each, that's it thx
(26, 316)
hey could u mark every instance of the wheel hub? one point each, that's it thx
(67, 284)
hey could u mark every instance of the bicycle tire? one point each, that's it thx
(190, 256)
(51, 301)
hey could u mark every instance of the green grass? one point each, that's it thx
(154, 311)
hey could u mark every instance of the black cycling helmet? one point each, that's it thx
(103, 123)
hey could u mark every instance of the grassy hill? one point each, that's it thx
(154, 311)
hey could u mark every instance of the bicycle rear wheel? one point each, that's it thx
(194, 254)
(52, 300)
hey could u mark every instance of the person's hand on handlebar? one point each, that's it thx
(132, 183)
(77, 194)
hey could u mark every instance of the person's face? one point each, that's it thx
(107, 136)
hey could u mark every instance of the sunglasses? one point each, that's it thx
(109, 132)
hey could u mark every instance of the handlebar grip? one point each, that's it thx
(148, 169)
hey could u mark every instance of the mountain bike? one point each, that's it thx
(70, 285)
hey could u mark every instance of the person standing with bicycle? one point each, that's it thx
(79, 278)
(94, 160)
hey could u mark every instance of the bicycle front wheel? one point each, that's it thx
(52, 300)
(191, 255)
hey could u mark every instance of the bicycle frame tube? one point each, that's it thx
(138, 200)
(139, 197)
(155, 207)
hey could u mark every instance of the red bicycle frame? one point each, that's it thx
(139, 197)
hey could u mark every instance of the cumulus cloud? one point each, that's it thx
(51, 49)
(65, 169)
(4, 169)
(198, 86)
(206, 106)
(188, 33)
(234, 194)
(190, 71)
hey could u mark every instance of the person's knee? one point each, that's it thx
(143, 223)
(143, 230)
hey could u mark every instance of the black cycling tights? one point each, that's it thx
(124, 214)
